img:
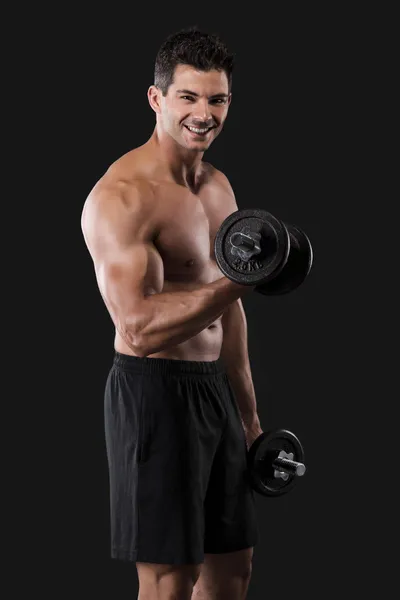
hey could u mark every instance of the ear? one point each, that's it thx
(229, 99)
(154, 98)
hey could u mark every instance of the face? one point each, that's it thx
(195, 108)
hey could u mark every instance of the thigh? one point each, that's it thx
(162, 434)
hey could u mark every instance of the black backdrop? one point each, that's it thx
(284, 149)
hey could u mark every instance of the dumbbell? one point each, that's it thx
(252, 247)
(275, 462)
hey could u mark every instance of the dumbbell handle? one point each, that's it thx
(289, 466)
(245, 243)
(239, 239)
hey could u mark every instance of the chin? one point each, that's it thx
(199, 147)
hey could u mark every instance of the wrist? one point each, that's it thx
(251, 421)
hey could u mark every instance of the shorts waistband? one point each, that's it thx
(167, 366)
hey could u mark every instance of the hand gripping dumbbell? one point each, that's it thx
(275, 462)
(252, 247)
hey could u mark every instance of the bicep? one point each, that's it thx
(118, 239)
(121, 276)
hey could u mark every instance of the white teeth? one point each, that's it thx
(195, 130)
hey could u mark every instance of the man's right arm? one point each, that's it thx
(119, 234)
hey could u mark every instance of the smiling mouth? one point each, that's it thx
(197, 131)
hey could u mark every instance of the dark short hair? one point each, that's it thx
(201, 50)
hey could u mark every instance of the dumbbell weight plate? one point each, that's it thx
(297, 267)
(264, 450)
(273, 243)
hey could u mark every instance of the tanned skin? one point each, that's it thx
(150, 224)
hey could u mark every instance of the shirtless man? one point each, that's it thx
(180, 409)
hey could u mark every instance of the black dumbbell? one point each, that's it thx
(252, 247)
(275, 461)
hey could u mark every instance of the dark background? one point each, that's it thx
(289, 146)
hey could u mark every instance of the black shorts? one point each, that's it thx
(177, 460)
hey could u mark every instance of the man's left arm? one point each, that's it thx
(235, 357)
(234, 351)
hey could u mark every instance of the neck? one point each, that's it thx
(183, 165)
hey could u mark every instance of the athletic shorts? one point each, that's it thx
(177, 461)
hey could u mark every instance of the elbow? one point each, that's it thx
(134, 328)
(137, 343)
(136, 340)
(141, 350)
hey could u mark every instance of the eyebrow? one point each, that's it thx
(221, 95)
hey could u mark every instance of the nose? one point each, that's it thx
(202, 112)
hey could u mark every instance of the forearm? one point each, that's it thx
(170, 318)
(235, 356)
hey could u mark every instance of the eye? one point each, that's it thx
(190, 98)
(219, 101)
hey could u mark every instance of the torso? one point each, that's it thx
(182, 254)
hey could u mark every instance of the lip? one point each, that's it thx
(198, 135)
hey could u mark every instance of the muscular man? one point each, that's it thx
(180, 408)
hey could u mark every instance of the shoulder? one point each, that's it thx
(115, 200)
(113, 189)
(121, 184)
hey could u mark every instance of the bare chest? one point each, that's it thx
(186, 236)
